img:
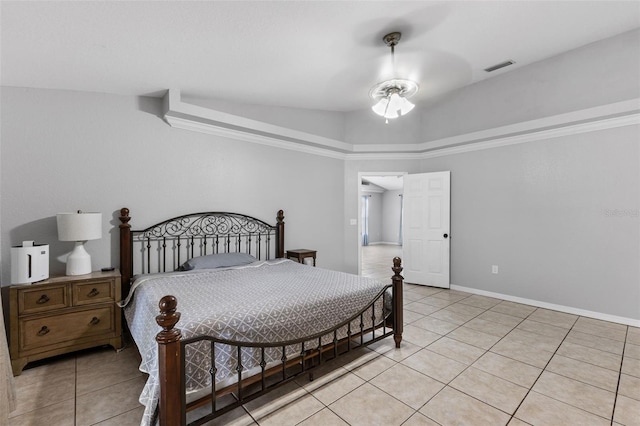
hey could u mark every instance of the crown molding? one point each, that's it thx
(188, 124)
(186, 116)
(191, 117)
(603, 124)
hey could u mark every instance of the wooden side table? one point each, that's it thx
(301, 254)
(63, 314)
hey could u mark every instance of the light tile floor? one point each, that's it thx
(377, 260)
(465, 359)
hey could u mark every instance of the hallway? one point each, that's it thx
(377, 260)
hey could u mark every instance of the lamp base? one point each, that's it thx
(79, 261)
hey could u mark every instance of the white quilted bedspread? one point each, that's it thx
(263, 302)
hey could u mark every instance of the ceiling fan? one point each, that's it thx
(392, 96)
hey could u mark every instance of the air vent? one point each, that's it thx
(500, 65)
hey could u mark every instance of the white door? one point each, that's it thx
(425, 229)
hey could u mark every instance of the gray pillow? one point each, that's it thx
(220, 260)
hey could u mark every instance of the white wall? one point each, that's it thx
(63, 151)
(376, 217)
(600, 73)
(384, 216)
(391, 216)
(542, 212)
(539, 210)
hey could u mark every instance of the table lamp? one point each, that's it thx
(79, 227)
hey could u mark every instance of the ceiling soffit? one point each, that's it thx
(187, 116)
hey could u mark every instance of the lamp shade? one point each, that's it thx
(79, 226)
(406, 106)
(380, 107)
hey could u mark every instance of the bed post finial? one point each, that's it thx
(397, 268)
(124, 217)
(167, 319)
(170, 365)
(397, 281)
(280, 234)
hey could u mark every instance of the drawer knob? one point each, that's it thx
(43, 299)
(94, 321)
(94, 292)
(44, 330)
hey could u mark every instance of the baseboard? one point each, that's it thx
(384, 243)
(552, 306)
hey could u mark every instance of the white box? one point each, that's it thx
(29, 263)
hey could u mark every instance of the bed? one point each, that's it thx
(250, 319)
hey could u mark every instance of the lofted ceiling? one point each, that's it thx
(323, 55)
(386, 182)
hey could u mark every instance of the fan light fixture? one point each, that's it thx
(392, 95)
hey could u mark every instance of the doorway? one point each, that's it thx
(380, 224)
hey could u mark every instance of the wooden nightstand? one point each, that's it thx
(63, 314)
(302, 254)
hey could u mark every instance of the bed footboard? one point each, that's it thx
(173, 406)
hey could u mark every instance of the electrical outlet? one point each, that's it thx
(353, 221)
(494, 269)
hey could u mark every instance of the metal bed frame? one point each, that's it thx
(164, 246)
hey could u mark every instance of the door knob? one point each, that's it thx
(445, 235)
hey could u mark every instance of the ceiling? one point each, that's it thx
(388, 183)
(323, 55)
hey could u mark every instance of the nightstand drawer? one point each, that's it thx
(31, 300)
(49, 330)
(93, 292)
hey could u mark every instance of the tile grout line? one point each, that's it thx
(467, 367)
(357, 387)
(615, 398)
(548, 362)
(489, 350)
(75, 390)
(543, 370)
(571, 405)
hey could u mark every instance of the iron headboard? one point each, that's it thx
(165, 246)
